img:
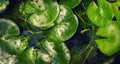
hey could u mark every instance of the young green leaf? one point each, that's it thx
(99, 15)
(102, 15)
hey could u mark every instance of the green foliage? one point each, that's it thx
(26, 43)
(108, 28)
(49, 52)
(40, 28)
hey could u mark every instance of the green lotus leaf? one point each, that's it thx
(65, 25)
(40, 13)
(52, 53)
(27, 57)
(102, 15)
(3, 5)
(49, 52)
(15, 49)
(70, 3)
(8, 28)
(6, 58)
(12, 46)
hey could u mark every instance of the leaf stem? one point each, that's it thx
(80, 17)
(87, 55)
(89, 45)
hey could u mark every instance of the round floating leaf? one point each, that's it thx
(40, 13)
(111, 44)
(8, 28)
(27, 57)
(6, 58)
(52, 53)
(13, 46)
(65, 26)
(99, 14)
(8, 41)
(70, 3)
